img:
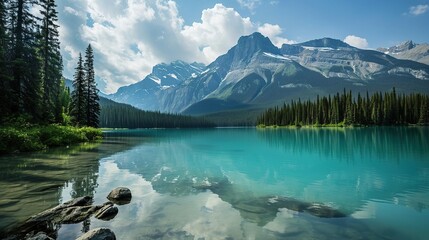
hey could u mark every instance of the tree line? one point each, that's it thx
(31, 82)
(389, 108)
(119, 115)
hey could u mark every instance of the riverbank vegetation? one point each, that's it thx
(344, 109)
(24, 137)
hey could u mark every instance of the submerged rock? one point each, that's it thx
(315, 209)
(323, 211)
(98, 234)
(120, 195)
(107, 212)
(262, 210)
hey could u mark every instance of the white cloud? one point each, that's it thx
(134, 35)
(71, 10)
(273, 32)
(249, 4)
(219, 30)
(419, 9)
(128, 38)
(355, 41)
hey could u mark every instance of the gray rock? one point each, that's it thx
(39, 236)
(107, 212)
(56, 212)
(74, 211)
(120, 195)
(98, 234)
(75, 214)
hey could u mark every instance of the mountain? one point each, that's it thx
(409, 50)
(145, 94)
(219, 85)
(255, 74)
(336, 59)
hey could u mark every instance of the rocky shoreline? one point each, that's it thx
(43, 226)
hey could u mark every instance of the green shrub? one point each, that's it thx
(23, 140)
(91, 134)
(33, 138)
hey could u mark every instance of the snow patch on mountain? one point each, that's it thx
(292, 85)
(277, 56)
(172, 75)
(155, 79)
(321, 49)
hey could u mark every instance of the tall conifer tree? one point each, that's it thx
(78, 103)
(424, 111)
(25, 84)
(92, 99)
(5, 99)
(51, 60)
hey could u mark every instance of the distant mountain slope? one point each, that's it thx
(145, 94)
(255, 74)
(410, 51)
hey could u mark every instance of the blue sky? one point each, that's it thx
(131, 36)
(381, 22)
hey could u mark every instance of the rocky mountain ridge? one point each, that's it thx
(410, 51)
(256, 74)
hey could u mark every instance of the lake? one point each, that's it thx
(354, 183)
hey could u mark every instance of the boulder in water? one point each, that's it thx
(106, 212)
(120, 195)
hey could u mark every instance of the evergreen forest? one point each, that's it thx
(119, 115)
(30, 62)
(32, 86)
(345, 109)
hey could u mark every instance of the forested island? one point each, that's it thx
(345, 109)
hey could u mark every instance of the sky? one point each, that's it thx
(129, 37)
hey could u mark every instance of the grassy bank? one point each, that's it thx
(26, 137)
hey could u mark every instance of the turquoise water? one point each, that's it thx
(237, 183)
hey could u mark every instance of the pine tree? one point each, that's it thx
(23, 37)
(348, 119)
(25, 84)
(64, 102)
(51, 60)
(78, 102)
(32, 87)
(5, 98)
(424, 111)
(92, 99)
